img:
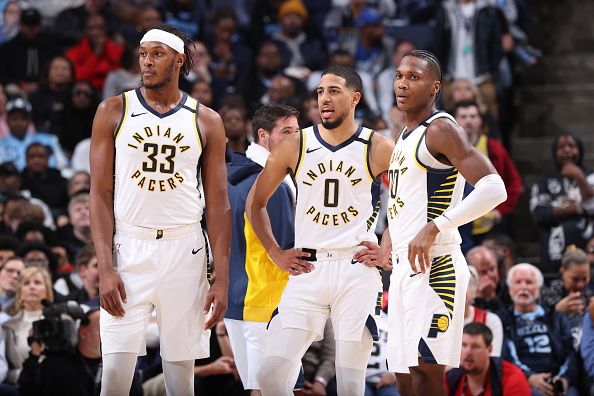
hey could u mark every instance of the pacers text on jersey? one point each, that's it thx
(160, 160)
(331, 184)
(395, 203)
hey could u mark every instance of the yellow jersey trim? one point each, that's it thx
(302, 141)
(124, 116)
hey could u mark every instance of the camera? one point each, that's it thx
(57, 330)
(558, 388)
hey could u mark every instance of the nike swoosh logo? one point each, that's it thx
(312, 150)
(411, 275)
(353, 261)
(196, 251)
(136, 115)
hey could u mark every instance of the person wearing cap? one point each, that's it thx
(158, 142)
(296, 48)
(25, 56)
(14, 146)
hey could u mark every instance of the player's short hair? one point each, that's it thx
(266, 116)
(352, 78)
(573, 255)
(431, 60)
(528, 266)
(188, 45)
(476, 328)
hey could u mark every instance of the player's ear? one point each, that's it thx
(356, 98)
(436, 87)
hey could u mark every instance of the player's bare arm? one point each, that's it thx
(381, 150)
(447, 143)
(111, 288)
(281, 161)
(218, 210)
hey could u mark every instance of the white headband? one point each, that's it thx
(164, 37)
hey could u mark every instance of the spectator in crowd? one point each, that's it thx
(468, 37)
(18, 209)
(31, 231)
(126, 77)
(462, 90)
(13, 146)
(8, 247)
(34, 285)
(373, 52)
(267, 64)
(11, 184)
(81, 108)
(11, 17)
(9, 276)
(318, 364)
(340, 30)
(338, 57)
(95, 54)
(186, 15)
(203, 93)
(468, 116)
(489, 290)
(298, 50)
(143, 16)
(40, 255)
(475, 314)
(378, 380)
(558, 202)
(50, 102)
(587, 346)
(236, 128)
(231, 58)
(504, 247)
(88, 271)
(281, 89)
(201, 67)
(311, 115)
(79, 182)
(570, 294)
(27, 54)
(71, 23)
(482, 373)
(42, 181)
(537, 341)
(77, 233)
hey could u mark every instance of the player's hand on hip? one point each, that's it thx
(112, 293)
(419, 246)
(291, 260)
(368, 254)
(217, 297)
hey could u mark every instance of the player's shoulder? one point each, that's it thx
(208, 115)
(382, 141)
(445, 129)
(113, 104)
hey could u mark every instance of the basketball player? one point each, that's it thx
(335, 165)
(155, 140)
(255, 283)
(428, 168)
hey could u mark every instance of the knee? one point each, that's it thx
(273, 370)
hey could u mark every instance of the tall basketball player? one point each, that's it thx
(335, 166)
(156, 140)
(428, 168)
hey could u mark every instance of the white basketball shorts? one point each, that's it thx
(339, 287)
(426, 311)
(164, 270)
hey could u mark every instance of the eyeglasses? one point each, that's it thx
(590, 250)
(41, 262)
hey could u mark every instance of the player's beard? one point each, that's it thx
(334, 124)
(162, 83)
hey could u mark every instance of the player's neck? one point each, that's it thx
(162, 99)
(339, 134)
(417, 116)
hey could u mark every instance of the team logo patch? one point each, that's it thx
(439, 324)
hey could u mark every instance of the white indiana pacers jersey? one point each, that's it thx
(156, 164)
(421, 188)
(337, 196)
